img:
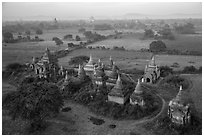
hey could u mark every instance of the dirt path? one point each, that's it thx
(80, 114)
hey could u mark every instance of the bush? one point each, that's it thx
(78, 60)
(77, 38)
(81, 30)
(57, 40)
(189, 69)
(68, 36)
(8, 37)
(176, 81)
(157, 46)
(165, 71)
(39, 32)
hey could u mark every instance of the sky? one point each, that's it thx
(99, 10)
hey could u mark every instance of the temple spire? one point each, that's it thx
(138, 89)
(118, 84)
(152, 62)
(178, 96)
(66, 77)
(145, 68)
(110, 58)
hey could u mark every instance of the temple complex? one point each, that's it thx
(179, 108)
(45, 67)
(152, 72)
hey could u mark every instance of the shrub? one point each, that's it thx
(78, 60)
(189, 69)
(165, 71)
(68, 36)
(157, 46)
(39, 32)
(176, 81)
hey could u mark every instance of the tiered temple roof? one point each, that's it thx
(117, 90)
(90, 65)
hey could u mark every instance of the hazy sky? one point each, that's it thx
(16, 11)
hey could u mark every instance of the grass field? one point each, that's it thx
(191, 42)
(134, 42)
(182, 60)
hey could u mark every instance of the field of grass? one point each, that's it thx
(130, 42)
(191, 42)
(182, 60)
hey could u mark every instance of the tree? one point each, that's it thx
(157, 46)
(69, 36)
(148, 33)
(78, 60)
(165, 71)
(57, 40)
(81, 30)
(39, 31)
(187, 28)
(167, 33)
(34, 101)
(77, 38)
(27, 32)
(8, 36)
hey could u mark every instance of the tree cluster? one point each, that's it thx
(187, 28)
(157, 46)
(57, 40)
(93, 36)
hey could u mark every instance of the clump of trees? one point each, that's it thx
(77, 38)
(68, 36)
(93, 36)
(118, 48)
(192, 70)
(57, 40)
(78, 60)
(187, 28)
(102, 27)
(8, 37)
(157, 46)
(39, 32)
(13, 69)
(81, 30)
(148, 33)
(165, 71)
(166, 33)
(35, 102)
(27, 32)
(175, 81)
